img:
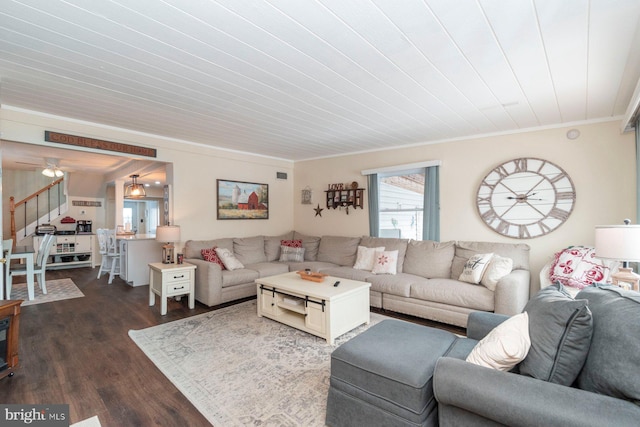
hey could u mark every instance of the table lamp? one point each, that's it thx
(168, 234)
(620, 243)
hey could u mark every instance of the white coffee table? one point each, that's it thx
(320, 309)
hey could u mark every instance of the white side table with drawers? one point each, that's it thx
(171, 280)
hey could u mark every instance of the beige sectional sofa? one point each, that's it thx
(425, 284)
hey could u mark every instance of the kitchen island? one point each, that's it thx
(137, 251)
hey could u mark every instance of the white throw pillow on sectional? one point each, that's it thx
(228, 259)
(505, 346)
(498, 268)
(366, 257)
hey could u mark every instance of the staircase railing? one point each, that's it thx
(33, 215)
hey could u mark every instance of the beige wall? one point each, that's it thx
(196, 169)
(601, 163)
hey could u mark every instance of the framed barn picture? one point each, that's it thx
(242, 200)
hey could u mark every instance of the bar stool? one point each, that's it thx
(113, 254)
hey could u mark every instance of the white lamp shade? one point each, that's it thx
(168, 233)
(618, 242)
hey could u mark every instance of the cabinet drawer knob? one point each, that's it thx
(178, 277)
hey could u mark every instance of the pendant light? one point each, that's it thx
(134, 190)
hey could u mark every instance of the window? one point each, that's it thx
(401, 204)
(404, 201)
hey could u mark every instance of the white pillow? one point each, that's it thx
(498, 268)
(366, 257)
(505, 346)
(474, 268)
(228, 259)
(385, 262)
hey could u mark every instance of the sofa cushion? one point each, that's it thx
(238, 277)
(266, 269)
(249, 250)
(193, 248)
(338, 250)
(310, 245)
(398, 284)
(429, 259)
(272, 245)
(505, 346)
(560, 329)
(612, 363)
(518, 252)
(453, 292)
(390, 244)
(385, 262)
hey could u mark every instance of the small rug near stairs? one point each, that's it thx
(239, 369)
(57, 290)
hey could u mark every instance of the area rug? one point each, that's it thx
(57, 290)
(239, 369)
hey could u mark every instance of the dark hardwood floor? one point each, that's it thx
(78, 352)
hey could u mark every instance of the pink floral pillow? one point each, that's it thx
(578, 267)
(385, 262)
(291, 243)
(210, 255)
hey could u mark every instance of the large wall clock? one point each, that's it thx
(525, 198)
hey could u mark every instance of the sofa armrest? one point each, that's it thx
(512, 292)
(513, 399)
(208, 281)
(480, 323)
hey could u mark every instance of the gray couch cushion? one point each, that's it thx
(266, 269)
(560, 329)
(310, 245)
(272, 245)
(238, 277)
(453, 292)
(249, 250)
(338, 250)
(429, 259)
(612, 364)
(393, 360)
(390, 244)
(518, 252)
(394, 284)
(193, 248)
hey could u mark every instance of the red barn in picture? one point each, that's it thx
(250, 203)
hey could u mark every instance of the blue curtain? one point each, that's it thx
(431, 214)
(374, 219)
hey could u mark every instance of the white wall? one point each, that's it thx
(601, 163)
(196, 169)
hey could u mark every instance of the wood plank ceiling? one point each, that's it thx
(300, 79)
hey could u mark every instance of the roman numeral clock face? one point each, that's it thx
(525, 198)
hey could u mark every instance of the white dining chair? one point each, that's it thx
(7, 247)
(105, 263)
(39, 267)
(113, 253)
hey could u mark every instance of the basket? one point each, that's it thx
(313, 277)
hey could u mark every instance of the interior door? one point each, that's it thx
(1, 231)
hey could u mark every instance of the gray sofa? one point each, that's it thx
(425, 284)
(581, 369)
